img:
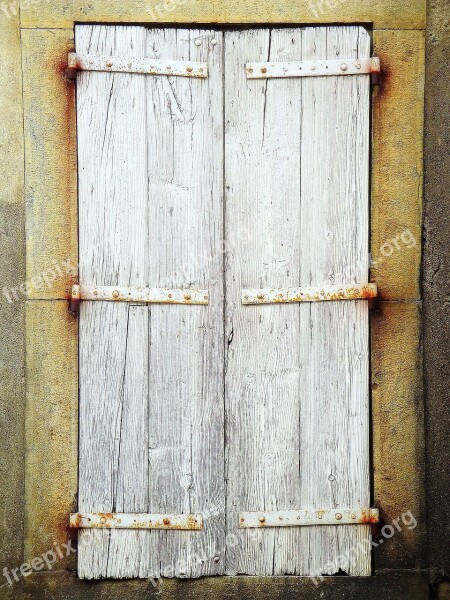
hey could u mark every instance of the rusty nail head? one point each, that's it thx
(103, 520)
(187, 296)
(338, 516)
(166, 521)
(262, 519)
(358, 65)
(109, 63)
(189, 69)
(264, 70)
(115, 294)
(343, 67)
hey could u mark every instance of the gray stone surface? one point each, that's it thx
(436, 285)
(389, 585)
(12, 319)
(12, 393)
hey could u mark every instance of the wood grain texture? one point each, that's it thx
(334, 338)
(185, 158)
(297, 377)
(112, 242)
(262, 178)
(151, 408)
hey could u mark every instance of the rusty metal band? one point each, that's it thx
(297, 518)
(313, 68)
(135, 521)
(364, 291)
(139, 294)
(79, 61)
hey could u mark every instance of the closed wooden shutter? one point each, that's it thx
(297, 389)
(218, 184)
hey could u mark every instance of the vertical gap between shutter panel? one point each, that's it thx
(149, 535)
(224, 308)
(112, 474)
(78, 536)
(275, 533)
(300, 308)
(369, 267)
(333, 46)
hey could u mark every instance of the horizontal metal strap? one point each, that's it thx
(139, 294)
(145, 66)
(296, 518)
(313, 68)
(358, 291)
(134, 521)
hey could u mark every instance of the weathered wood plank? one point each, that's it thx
(126, 548)
(334, 385)
(262, 178)
(112, 158)
(185, 162)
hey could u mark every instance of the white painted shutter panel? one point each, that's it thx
(150, 203)
(160, 183)
(297, 388)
